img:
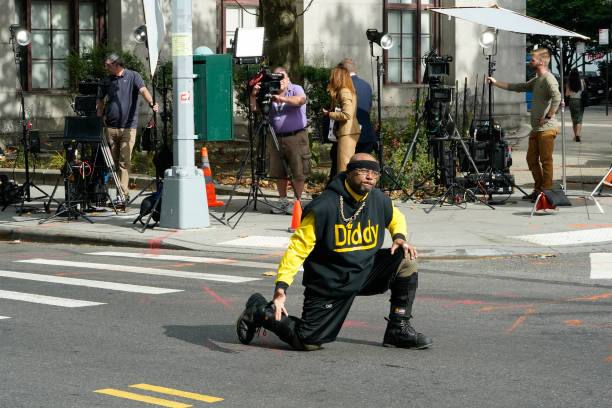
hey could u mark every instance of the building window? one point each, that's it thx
(414, 32)
(58, 27)
(243, 15)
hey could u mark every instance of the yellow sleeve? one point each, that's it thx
(397, 226)
(300, 246)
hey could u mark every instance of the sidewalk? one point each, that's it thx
(446, 232)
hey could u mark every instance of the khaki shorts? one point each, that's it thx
(297, 154)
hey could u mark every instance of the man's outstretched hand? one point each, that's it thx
(279, 304)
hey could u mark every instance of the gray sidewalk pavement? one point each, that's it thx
(446, 232)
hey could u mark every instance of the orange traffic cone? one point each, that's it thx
(297, 216)
(208, 180)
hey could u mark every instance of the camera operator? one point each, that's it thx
(121, 88)
(288, 119)
(544, 127)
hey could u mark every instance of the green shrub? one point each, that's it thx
(398, 128)
(90, 64)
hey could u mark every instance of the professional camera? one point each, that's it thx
(85, 101)
(437, 68)
(489, 151)
(269, 83)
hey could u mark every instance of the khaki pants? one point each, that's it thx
(540, 158)
(346, 149)
(121, 142)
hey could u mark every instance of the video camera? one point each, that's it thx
(269, 83)
(85, 101)
(437, 68)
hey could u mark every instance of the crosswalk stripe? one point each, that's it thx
(181, 258)
(141, 270)
(46, 300)
(4, 317)
(143, 398)
(259, 241)
(178, 393)
(588, 236)
(601, 265)
(124, 287)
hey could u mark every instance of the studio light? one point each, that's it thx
(20, 35)
(140, 34)
(383, 39)
(487, 38)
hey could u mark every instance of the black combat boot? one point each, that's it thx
(400, 332)
(246, 325)
(259, 313)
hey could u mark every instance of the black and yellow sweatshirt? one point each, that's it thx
(337, 256)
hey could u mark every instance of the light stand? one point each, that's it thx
(385, 41)
(140, 36)
(21, 38)
(488, 40)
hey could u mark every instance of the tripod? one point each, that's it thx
(26, 142)
(258, 166)
(443, 123)
(71, 207)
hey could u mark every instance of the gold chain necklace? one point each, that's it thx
(349, 221)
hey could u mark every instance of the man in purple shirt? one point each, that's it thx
(288, 119)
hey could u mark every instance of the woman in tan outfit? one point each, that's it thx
(346, 127)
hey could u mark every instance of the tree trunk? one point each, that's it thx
(282, 46)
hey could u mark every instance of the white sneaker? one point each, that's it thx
(283, 206)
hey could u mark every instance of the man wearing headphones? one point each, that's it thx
(121, 88)
(544, 127)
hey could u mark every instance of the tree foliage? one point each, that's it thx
(582, 16)
(90, 63)
(282, 47)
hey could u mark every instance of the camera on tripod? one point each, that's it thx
(437, 68)
(85, 102)
(269, 83)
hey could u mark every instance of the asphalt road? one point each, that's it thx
(517, 332)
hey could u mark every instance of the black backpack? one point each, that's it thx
(148, 206)
(10, 192)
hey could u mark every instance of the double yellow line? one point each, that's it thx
(159, 401)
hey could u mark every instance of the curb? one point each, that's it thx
(61, 238)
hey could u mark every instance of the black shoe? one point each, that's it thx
(246, 325)
(531, 197)
(400, 333)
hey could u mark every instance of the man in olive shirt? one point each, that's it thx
(544, 127)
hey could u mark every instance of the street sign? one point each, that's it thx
(580, 47)
(604, 36)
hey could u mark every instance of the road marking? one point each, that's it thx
(88, 283)
(137, 269)
(594, 235)
(143, 398)
(178, 393)
(601, 266)
(4, 317)
(259, 241)
(46, 300)
(195, 259)
(520, 320)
